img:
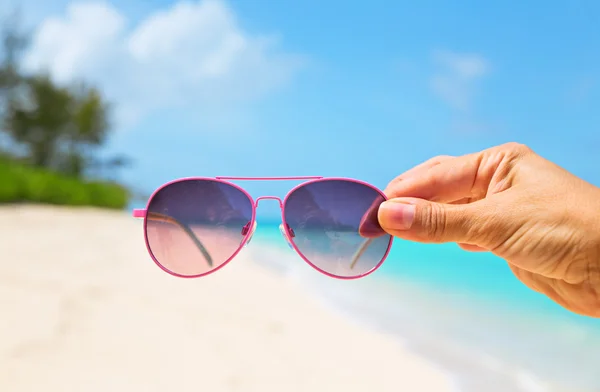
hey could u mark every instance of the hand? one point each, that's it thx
(542, 220)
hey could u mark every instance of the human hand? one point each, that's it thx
(541, 219)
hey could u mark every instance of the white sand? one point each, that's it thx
(83, 308)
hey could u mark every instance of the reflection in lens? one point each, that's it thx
(334, 225)
(194, 226)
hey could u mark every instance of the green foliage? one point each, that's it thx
(52, 133)
(59, 127)
(38, 120)
(22, 183)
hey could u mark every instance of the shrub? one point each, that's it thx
(21, 183)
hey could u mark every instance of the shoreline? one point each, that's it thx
(484, 345)
(87, 309)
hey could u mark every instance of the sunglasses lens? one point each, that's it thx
(194, 226)
(334, 226)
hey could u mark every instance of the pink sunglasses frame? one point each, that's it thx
(141, 213)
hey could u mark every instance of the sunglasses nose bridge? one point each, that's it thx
(258, 199)
(252, 229)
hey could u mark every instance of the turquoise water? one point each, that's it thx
(448, 267)
(466, 311)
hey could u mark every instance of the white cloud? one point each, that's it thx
(456, 77)
(191, 55)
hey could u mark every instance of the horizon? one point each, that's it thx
(224, 88)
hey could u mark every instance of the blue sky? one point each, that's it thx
(334, 88)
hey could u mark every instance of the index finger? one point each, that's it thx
(369, 225)
(451, 180)
(420, 168)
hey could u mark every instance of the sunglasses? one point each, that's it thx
(195, 226)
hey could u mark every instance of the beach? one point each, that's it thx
(84, 308)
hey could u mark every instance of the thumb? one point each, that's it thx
(425, 221)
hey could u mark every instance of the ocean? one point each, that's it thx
(463, 311)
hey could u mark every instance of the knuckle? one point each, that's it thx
(516, 148)
(434, 221)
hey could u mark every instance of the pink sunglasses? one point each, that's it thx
(194, 226)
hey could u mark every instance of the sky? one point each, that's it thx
(334, 88)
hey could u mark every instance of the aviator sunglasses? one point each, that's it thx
(195, 226)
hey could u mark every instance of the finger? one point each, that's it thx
(465, 200)
(425, 165)
(420, 168)
(529, 279)
(449, 181)
(369, 226)
(567, 295)
(424, 221)
(472, 248)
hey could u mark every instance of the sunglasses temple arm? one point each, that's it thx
(360, 251)
(167, 219)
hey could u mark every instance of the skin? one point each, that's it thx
(508, 200)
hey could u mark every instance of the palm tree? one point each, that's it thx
(87, 130)
(59, 127)
(51, 126)
(38, 119)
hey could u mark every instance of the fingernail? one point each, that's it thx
(397, 215)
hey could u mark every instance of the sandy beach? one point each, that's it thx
(84, 308)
